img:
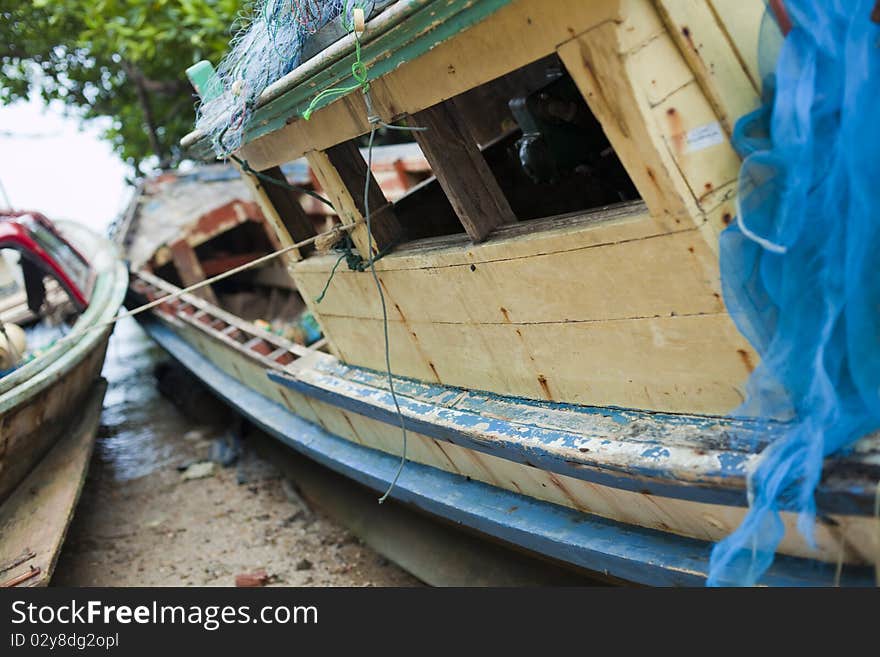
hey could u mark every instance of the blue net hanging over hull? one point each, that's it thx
(799, 268)
(263, 51)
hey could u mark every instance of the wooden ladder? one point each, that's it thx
(258, 344)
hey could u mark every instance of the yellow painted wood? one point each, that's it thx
(658, 118)
(619, 98)
(514, 36)
(641, 325)
(342, 200)
(715, 61)
(741, 20)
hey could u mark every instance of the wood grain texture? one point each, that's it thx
(713, 58)
(741, 22)
(189, 269)
(641, 325)
(28, 431)
(349, 201)
(847, 537)
(531, 29)
(462, 171)
(286, 202)
(346, 158)
(34, 519)
(654, 111)
(271, 215)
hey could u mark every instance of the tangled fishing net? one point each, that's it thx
(268, 48)
(799, 268)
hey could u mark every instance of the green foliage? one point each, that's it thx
(123, 59)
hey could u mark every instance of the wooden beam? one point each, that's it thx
(190, 269)
(603, 71)
(657, 117)
(272, 214)
(342, 171)
(298, 224)
(708, 50)
(462, 171)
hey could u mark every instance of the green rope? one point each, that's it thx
(358, 72)
(384, 320)
(320, 297)
(354, 261)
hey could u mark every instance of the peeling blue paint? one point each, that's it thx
(657, 453)
(626, 552)
(734, 464)
(524, 435)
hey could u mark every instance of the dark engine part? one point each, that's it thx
(560, 134)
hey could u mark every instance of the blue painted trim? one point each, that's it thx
(628, 553)
(517, 442)
(515, 451)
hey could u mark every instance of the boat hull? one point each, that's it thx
(611, 525)
(34, 519)
(31, 428)
(39, 399)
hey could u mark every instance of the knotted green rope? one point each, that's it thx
(358, 72)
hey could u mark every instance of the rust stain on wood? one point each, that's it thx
(542, 380)
(746, 359)
(676, 130)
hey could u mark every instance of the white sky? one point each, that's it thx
(52, 164)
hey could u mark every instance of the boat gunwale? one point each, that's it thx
(22, 385)
(704, 472)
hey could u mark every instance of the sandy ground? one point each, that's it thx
(140, 522)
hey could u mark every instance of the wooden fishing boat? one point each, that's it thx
(51, 394)
(561, 354)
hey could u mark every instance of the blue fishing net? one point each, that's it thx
(265, 49)
(799, 268)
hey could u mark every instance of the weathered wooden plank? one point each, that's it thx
(341, 171)
(691, 364)
(200, 305)
(271, 215)
(246, 386)
(31, 428)
(675, 274)
(298, 224)
(190, 269)
(346, 158)
(605, 77)
(34, 519)
(503, 314)
(656, 116)
(462, 171)
(742, 23)
(713, 58)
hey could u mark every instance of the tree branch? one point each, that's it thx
(144, 99)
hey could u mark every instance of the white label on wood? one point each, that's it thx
(705, 136)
